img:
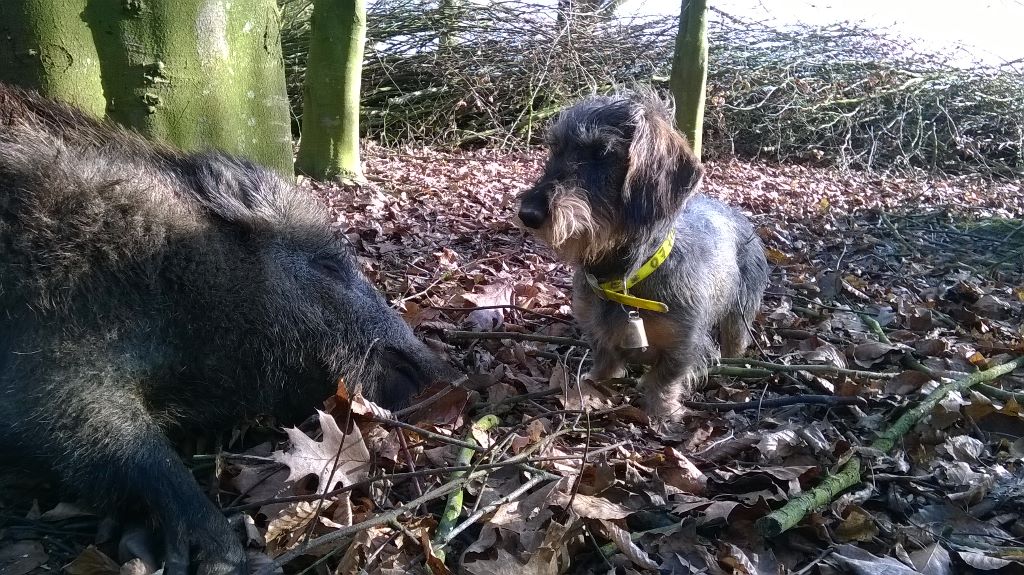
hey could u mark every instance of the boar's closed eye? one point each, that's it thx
(330, 266)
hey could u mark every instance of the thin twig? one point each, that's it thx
(515, 307)
(512, 336)
(517, 460)
(386, 517)
(430, 400)
(469, 521)
(429, 434)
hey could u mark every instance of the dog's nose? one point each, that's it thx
(531, 216)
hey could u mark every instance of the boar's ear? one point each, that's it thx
(663, 171)
(232, 188)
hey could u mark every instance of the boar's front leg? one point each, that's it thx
(102, 441)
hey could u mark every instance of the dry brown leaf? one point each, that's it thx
(932, 560)
(590, 507)
(91, 561)
(626, 546)
(339, 458)
(23, 557)
(857, 525)
(871, 353)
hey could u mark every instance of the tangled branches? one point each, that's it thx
(490, 73)
(493, 73)
(853, 97)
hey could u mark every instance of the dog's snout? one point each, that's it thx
(533, 208)
(531, 216)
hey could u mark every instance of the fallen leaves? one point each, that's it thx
(942, 280)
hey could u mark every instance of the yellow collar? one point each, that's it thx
(618, 290)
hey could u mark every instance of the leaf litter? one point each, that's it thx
(880, 288)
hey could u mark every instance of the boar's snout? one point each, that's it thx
(407, 370)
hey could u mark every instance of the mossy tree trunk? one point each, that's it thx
(193, 73)
(450, 12)
(46, 46)
(690, 70)
(197, 73)
(329, 148)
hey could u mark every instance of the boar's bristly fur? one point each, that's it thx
(147, 292)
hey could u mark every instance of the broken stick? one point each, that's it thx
(791, 513)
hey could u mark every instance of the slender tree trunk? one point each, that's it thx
(450, 12)
(195, 73)
(329, 148)
(45, 45)
(690, 70)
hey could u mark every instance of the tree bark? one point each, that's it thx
(46, 46)
(329, 147)
(196, 73)
(690, 70)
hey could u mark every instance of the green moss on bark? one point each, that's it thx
(329, 148)
(47, 46)
(690, 70)
(197, 73)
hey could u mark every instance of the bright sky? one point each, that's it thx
(989, 29)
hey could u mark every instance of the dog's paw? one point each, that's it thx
(598, 377)
(662, 409)
(669, 425)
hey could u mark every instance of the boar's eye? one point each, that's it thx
(329, 266)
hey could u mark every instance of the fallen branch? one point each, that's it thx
(387, 517)
(721, 369)
(778, 402)
(873, 324)
(813, 368)
(737, 371)
(453, 508)
(849, 475)
(505, 306)
(987, 390)
(451, 336)
(1000, 394)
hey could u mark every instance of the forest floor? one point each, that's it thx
(882, 288)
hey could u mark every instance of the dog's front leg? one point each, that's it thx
(663, 388)
(675, 372)
(607, 365)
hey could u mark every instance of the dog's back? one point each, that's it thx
(719, 242)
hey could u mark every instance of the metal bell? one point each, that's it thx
(636, 335)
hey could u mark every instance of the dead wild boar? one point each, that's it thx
(145, 292)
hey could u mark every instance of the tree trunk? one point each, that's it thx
(195, 73)
(46, 46)
(690, 70)
(329, 148)
(450, 12)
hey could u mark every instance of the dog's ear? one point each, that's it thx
(663, 171)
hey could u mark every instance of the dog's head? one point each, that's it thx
(616, 166)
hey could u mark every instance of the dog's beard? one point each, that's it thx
(573, 230)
